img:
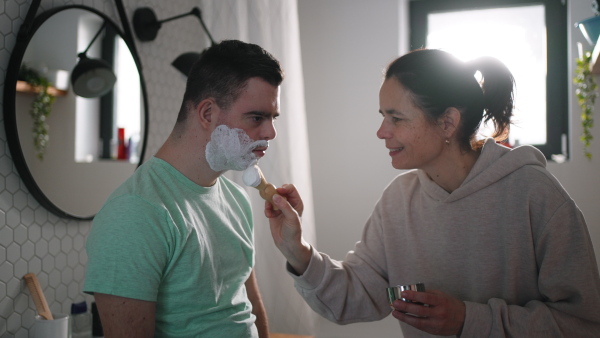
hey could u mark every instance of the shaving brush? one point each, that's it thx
(254, 177)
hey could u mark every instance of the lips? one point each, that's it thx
(394, 151)
(260, 151)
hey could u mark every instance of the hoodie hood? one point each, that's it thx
(494, 163)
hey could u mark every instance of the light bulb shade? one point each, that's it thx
(590, 28)
(92, 77)
(185, 61)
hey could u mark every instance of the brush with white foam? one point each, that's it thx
(38, 296)
(254, 177)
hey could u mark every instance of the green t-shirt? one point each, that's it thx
(162, 238)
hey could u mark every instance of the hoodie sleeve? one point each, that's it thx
(349, 291)
(568, 281)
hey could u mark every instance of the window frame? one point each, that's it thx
(557, 79)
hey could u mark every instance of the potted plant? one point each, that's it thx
(584, 79)
(41, 107)
(586, 97)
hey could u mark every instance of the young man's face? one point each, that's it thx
(254, 111)
(243, 131)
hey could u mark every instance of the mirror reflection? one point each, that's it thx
(93, 144)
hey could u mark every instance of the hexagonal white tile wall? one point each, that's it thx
(32, 239)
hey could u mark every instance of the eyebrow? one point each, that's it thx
(261, 113)
(390, 112)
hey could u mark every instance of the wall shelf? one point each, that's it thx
(24, 87)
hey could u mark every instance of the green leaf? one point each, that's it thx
(586, 97)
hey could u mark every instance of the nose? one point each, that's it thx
(269, 132)
(383, 132)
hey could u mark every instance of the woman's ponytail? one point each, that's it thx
(498, 93)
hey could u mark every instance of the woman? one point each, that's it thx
(500, 246)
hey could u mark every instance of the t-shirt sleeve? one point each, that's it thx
(128, 249)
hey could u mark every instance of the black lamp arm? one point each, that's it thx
(175, 17)
(195, 12)
(198, 13)
(146, 25)
(94, 39)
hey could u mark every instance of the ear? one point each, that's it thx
(450, 121)
(207, 111)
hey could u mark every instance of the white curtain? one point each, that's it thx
(273, 24)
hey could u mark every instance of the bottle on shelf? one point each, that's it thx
(121, 146)
(81, 321)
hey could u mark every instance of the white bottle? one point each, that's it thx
(81, 321)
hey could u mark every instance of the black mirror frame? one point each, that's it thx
(26, 32)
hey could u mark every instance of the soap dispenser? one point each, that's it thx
(81, 321)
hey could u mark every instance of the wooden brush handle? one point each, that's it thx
(38, 296)
(266, 190)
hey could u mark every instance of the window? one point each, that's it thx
(529, 37)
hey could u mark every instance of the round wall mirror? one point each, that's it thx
(93, 143)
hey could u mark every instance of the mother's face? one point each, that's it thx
(413, 141)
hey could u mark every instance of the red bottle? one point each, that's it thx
(121, 146)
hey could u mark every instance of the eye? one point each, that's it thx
(256, 118)
(391, 116)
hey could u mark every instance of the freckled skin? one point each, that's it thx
(405, 127)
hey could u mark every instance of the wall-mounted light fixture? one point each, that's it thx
(146, 27)
(590, 27)
(92, 77)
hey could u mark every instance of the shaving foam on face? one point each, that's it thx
(252, 176)
(231, 149)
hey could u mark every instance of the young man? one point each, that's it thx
(171, 253)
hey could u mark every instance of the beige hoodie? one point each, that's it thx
(509, 242)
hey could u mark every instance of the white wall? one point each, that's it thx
(345, 46)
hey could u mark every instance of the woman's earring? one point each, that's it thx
(447, 142)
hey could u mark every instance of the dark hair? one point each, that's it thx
(223, 70)
(437, 80)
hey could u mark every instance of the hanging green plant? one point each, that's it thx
(586, 96)
(41, 107)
